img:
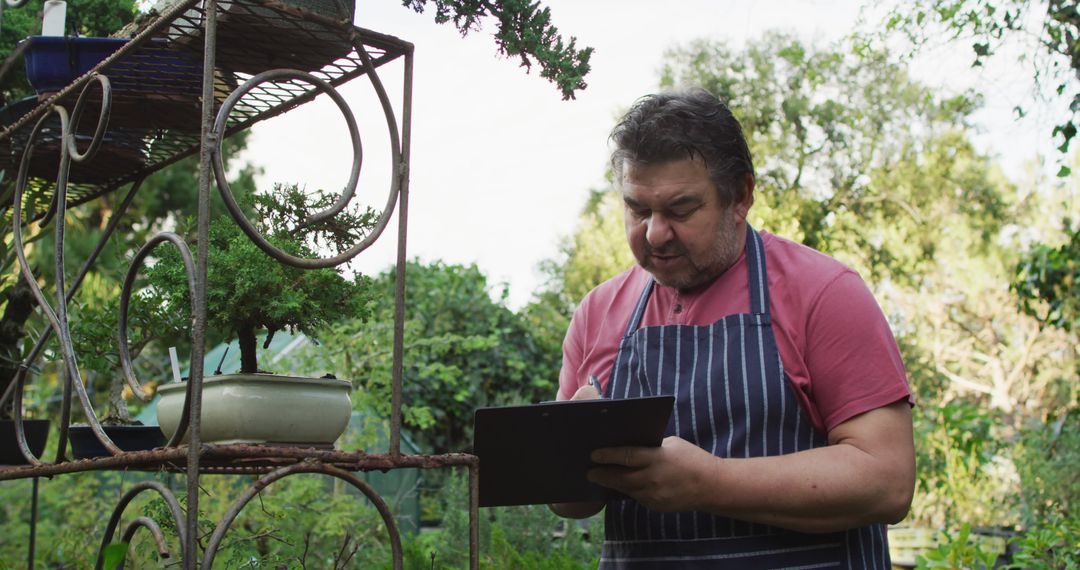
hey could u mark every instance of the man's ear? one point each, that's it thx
(742, 206)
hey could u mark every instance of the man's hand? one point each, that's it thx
(865, 475)
(668, 478)
(579, 510)
(586, 392)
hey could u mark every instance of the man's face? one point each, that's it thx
(675, 224)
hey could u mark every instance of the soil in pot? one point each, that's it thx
(135, 437)
(37, 432)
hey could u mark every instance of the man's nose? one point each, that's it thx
(659, 231)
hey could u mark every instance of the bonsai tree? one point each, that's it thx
(248, 291)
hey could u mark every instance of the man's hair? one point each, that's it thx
(675, 125)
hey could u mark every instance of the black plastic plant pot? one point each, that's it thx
(85, 445)
(37, 432)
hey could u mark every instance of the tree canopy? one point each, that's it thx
(1047, 33)
(463, 349)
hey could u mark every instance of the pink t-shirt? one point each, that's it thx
(835, 344)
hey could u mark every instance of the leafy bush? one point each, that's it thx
(1047, 460)
(959, 551)
(962, 468)
(524, 537)
(1050, 545)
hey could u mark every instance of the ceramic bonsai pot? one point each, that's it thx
(85, 445)
(263, 409)
(37, 432)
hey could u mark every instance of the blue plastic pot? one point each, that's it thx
(52, 62)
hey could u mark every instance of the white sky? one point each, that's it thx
(501, 166)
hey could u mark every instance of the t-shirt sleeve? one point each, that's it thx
(852, 357)
(573, 354)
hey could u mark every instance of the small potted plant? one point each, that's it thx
(247, 292)
(93, 331)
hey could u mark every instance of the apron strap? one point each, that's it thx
(758, 277)
(639, 309)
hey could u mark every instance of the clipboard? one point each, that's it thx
(538, 454)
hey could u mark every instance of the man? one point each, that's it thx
(791, 441)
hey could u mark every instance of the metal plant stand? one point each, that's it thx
(167, 109)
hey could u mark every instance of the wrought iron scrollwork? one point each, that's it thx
(125, 301)
(145, 522)
(354, 174)
(370, 50)
(58, 316)
(305, 467)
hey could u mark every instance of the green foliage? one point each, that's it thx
(72, 513)
(524, 31)
(1046, 460)
(114, 555)
(957, 461)
(528, 537)
(94, 329)
(958, 551)
(849, 150)
(1049, 545)
(1053, 54)
(1051, 48)
(1048, 282)
(302, 521)
(249, 290)
(463, 350)
(595, 252)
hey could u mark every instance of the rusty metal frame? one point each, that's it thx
(197, 458)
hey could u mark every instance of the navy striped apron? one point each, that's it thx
(734, 400)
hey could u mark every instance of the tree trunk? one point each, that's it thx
(118, 413)
(20, 305)
(248, 359)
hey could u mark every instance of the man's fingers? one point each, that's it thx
(610, 477)
(623, 456)
(586, 392)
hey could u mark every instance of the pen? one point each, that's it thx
(595, 383)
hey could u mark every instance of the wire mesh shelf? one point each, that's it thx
(157, 86)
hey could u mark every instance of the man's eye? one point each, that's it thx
(640, 212)
(682, 214)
